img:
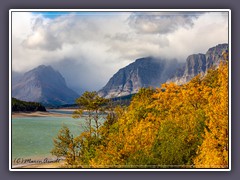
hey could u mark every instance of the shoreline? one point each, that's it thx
(41, 164)
(39, 114)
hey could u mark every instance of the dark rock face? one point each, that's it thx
(144, 72)
(200, 63)
(215, 54)
(43, 84)
(196, 64)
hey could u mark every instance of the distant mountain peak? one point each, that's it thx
(200, 63)
(143, 72)
(43, 68)
(152, 72)
(45, 85)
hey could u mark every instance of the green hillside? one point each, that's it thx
(18, 105)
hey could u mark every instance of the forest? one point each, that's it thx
(18, 105)
(167, 127)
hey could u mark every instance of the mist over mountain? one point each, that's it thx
(144, 72)
(199, 64)
(16, 76)
(45, 85)
(152, 72)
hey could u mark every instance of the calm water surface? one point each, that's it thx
(32, 137)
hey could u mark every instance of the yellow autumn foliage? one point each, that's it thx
(213, 152)
(173, 126)
(168, 127)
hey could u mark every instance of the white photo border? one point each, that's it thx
(114, 10)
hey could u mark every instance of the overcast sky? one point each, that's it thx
(87, 48)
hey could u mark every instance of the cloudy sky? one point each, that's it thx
(87, 48)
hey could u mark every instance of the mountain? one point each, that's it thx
(152, 72)
(16, 76)
(45, 85)
(144, 72)
(199, 64)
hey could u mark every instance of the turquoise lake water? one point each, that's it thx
(60, 111)
(32, 137)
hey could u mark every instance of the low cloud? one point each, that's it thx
(89, 49)
(161, 22)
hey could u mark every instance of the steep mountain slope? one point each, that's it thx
(43, 84)
(199, 64)
(144, 72)
(151, 72)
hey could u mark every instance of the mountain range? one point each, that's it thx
(144, 72)
(199, 64)
(152, 72)
(45, 85)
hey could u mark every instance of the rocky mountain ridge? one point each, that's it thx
(45, 85)
(152, 72)
(144, 72)
(199, 64)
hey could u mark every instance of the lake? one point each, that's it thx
(32, 137)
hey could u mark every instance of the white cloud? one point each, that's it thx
(88, 50)
(22, 24)
(209, 30)
(160, 22)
